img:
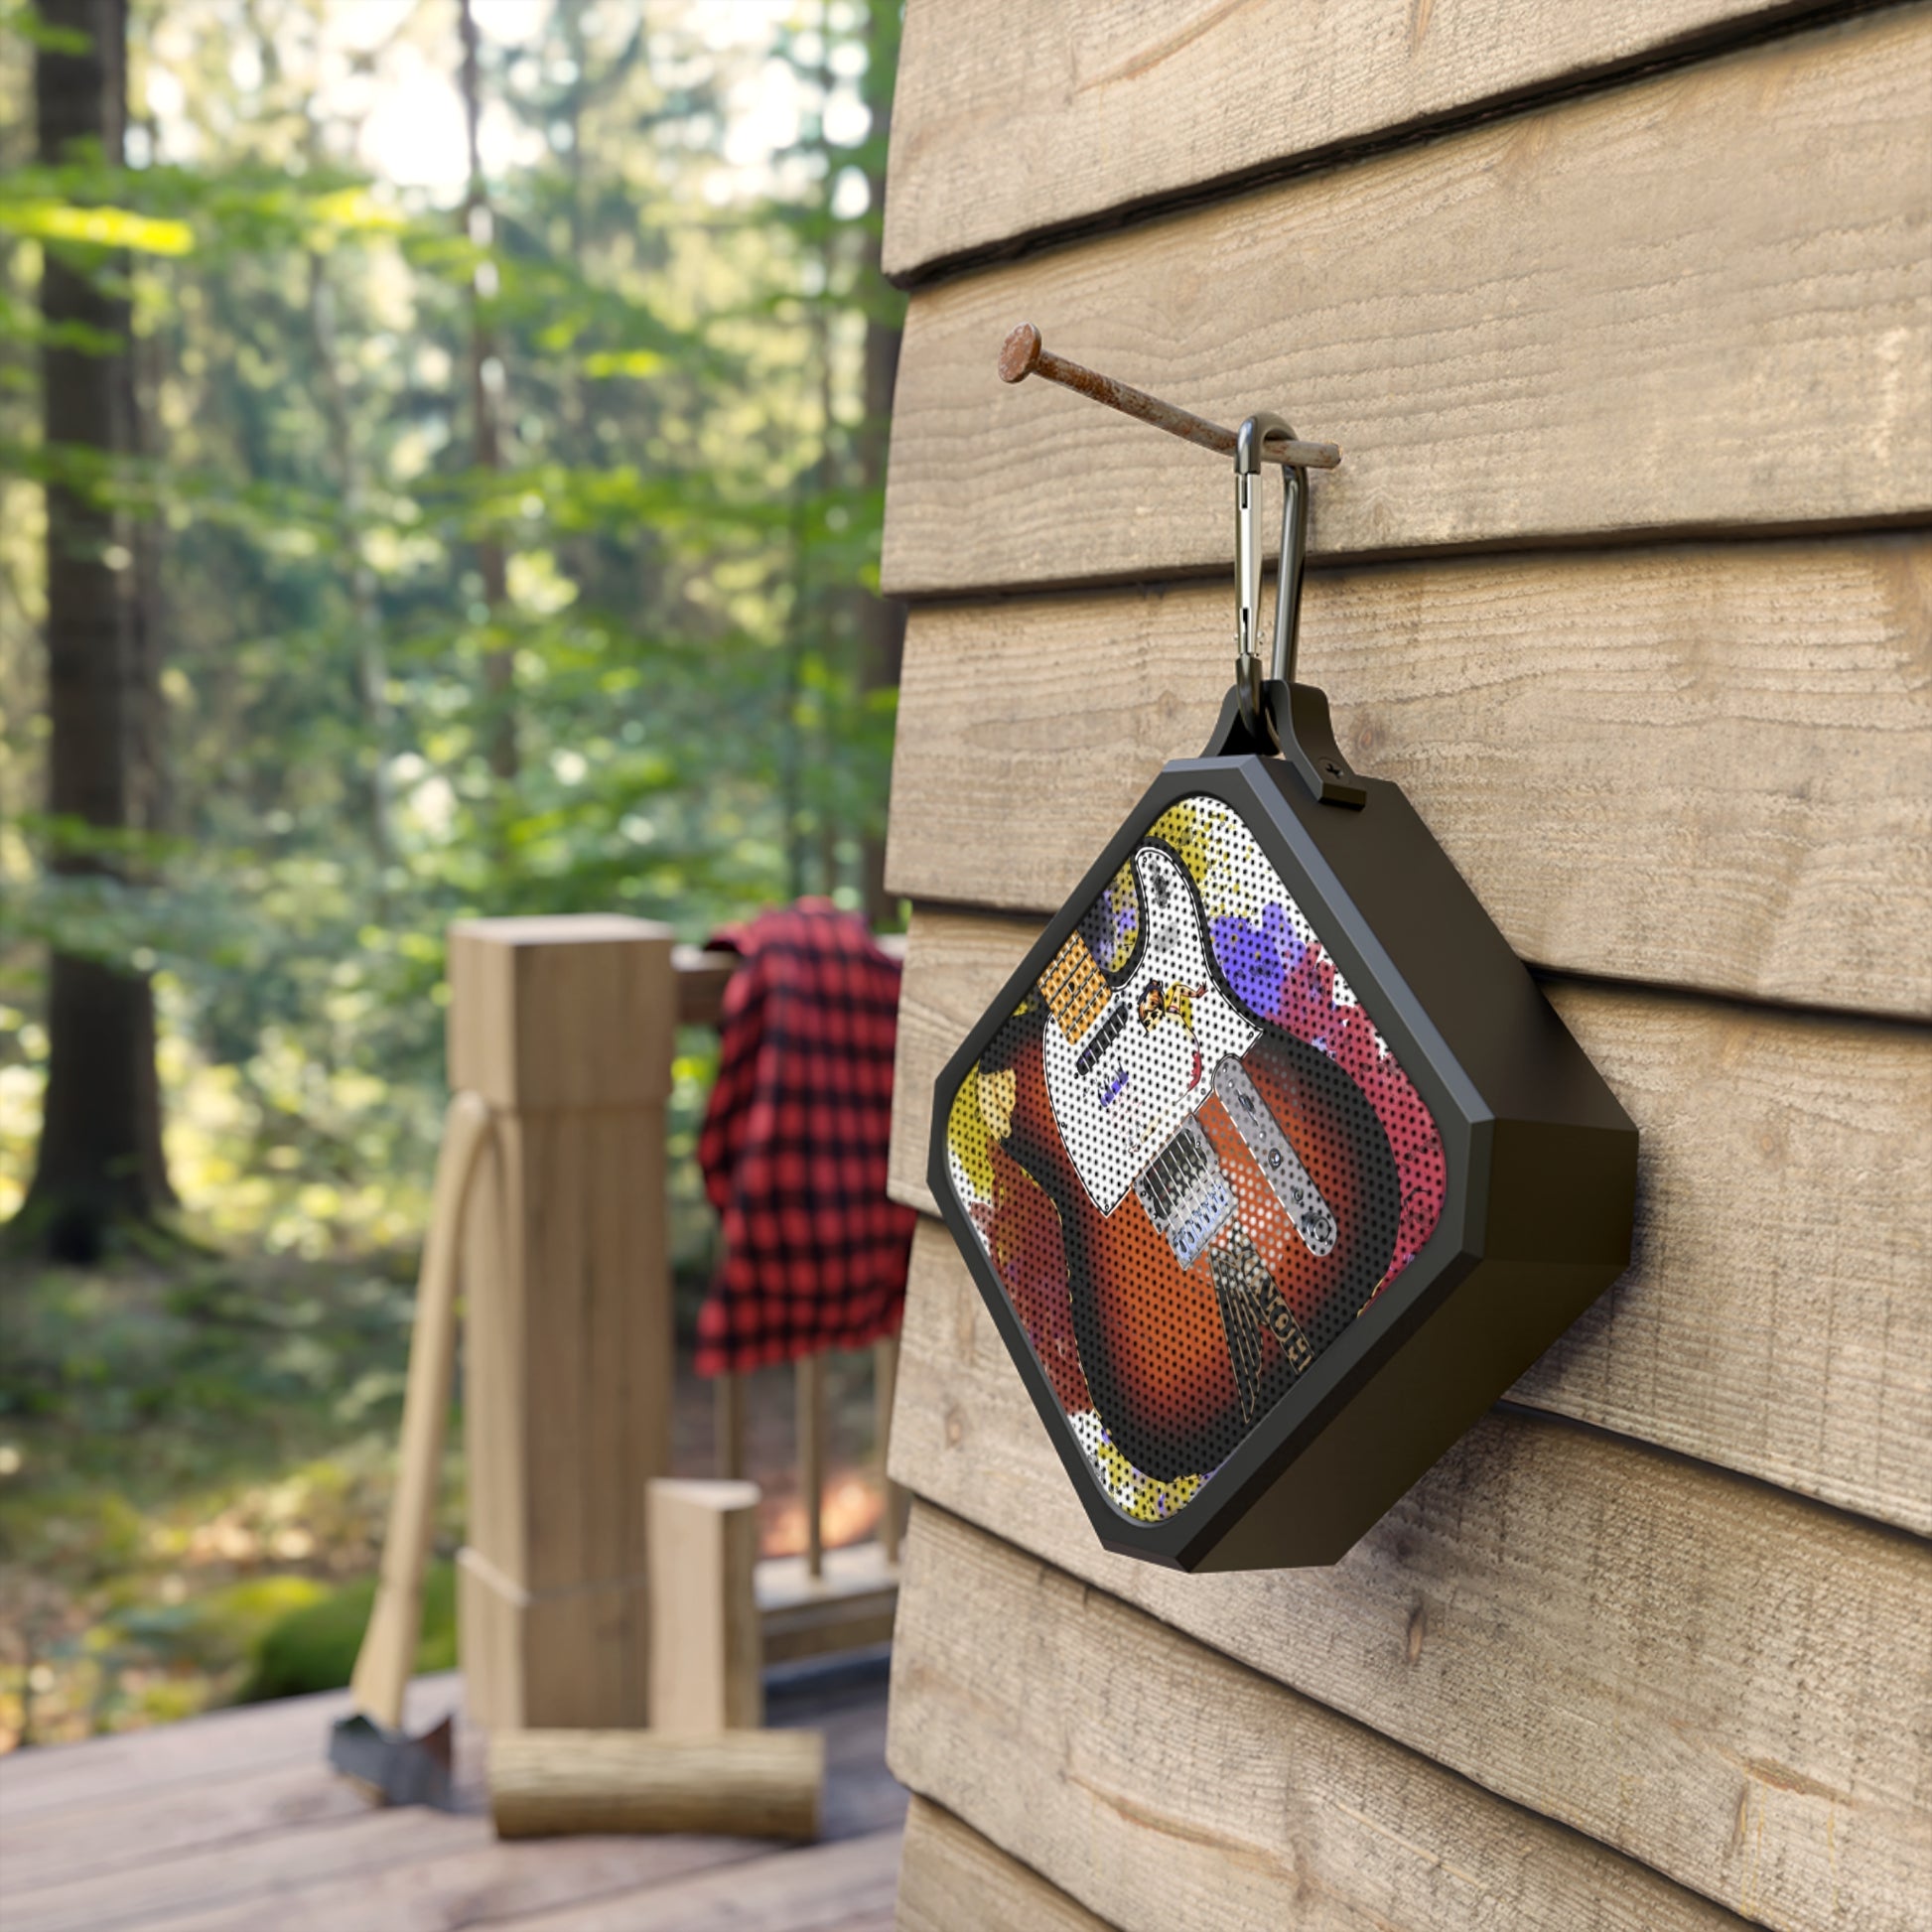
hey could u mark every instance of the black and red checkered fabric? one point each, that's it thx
(794, 1144)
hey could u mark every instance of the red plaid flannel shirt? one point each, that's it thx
(794, 1144)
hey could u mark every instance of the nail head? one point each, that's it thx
(1020, 353)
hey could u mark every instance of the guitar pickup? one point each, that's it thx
(1110, 1029)
(1261, 1134)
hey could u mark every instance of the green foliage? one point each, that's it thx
(195, 1457)
(195, 1448)
(312, 1646)
(688, 500)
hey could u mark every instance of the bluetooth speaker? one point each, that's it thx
(1272, 1163)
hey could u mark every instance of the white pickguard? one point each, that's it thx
(1116, 1116)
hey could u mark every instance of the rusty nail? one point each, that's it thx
(1024, 353)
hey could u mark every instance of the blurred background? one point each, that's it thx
(458, 428)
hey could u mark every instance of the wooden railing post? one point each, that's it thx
(565, 1027)
(808, 1385)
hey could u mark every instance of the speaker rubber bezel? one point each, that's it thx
(1267, 795)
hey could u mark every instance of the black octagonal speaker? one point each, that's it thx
(1272, 1163)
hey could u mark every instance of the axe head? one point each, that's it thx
(397, 1768)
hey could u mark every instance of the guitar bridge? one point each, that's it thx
(1184, 1192)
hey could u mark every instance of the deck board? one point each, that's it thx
(235, 1821)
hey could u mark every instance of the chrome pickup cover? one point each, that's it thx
(1261, 1133)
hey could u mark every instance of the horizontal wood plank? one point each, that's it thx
(1702, 764)
(207, 1827)
(203, 1818)
(848, 1607)
(1010, 122)
(1715, 1678)
(233, 1889)
(845, 1886)
(1163, 1784)
(951, 1880)
(473, 1879)
(1776, 1320)
(260, 1740)
(1700, 301)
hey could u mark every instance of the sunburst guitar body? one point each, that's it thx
(1226, 1195)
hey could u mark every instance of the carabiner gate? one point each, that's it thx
(1249, 676)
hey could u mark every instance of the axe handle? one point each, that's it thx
(387, 1658)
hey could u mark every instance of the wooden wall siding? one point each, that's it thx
(1739, 1337)
(951, 1880)
(1650, 1646)
(1700, 301)
(1011, 121)
(1164, 1785)
(1722, 1681)
(1701, 765)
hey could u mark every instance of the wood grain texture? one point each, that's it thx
(728, 1784)
(1742, 1334)
(234, 1822)
(534, 1003)
(1720, 1680)
(707, 1645)
(566, 1416)
(951, 1880)
(1009, 121)
(808, 1382)
(1705, 765)
(454, 1878)
(404, 1868)
(567, 1309)
(1162, 1784)
(104, 1774)
(1699, 301)
(200, 1817)
(842, 1887)
(573, 1654)
(848, 1607)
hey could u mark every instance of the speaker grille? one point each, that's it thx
(1191, 1157)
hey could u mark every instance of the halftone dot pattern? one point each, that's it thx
(1157, 1266)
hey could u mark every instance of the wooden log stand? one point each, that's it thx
(707, 1647)
(746, 1783)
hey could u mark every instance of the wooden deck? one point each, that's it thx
(234, 1822)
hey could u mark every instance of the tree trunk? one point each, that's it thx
(486, 402)
(99, 1160)
(881, 621)
(364, 601)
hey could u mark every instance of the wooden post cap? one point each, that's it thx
(573, 1010)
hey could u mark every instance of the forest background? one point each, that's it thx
(442, 449)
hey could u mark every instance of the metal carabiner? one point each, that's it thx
(1249, 677)
(1268, 711)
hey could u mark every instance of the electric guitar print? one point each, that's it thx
(1227, 1199)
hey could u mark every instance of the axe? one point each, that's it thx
(370, 1746)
